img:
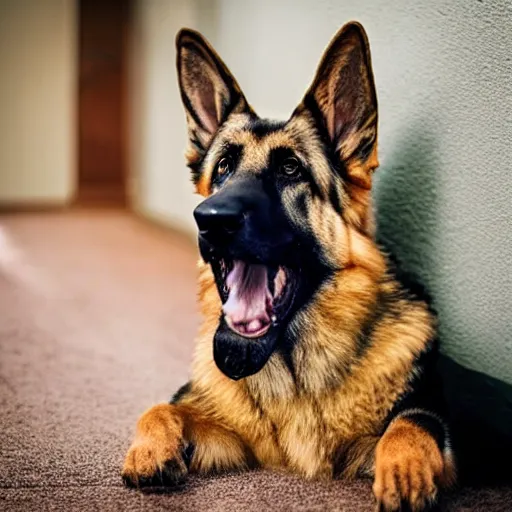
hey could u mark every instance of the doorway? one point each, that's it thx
(102, 116)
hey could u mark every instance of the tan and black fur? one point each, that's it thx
(350, 390)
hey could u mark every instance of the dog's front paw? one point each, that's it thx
(148, 464)
(158, 456)
(409, 466)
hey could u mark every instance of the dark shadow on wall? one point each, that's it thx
(407, 200)
(407, 196)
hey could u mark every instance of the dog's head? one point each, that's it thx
(279, 195)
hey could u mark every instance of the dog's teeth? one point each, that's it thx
(279, 282)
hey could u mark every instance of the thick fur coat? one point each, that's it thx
(343, 384)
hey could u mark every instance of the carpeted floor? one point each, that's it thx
(97, 323)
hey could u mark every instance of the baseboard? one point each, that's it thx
(34, 205)
(163, 223)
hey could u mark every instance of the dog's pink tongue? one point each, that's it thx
(249, 297)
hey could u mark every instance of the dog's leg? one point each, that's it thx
(412, 461)
(173, 439)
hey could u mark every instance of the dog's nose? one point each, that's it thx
(217, 223)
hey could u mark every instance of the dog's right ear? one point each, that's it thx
(208, 90)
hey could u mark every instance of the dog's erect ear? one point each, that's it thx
(344, 99)
(208, 90)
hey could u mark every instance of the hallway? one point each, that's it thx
(98, 316)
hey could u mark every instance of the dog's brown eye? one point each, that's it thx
(290, 167)
(224, 166)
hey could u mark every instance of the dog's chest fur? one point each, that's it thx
(301, 419)
(306, 431)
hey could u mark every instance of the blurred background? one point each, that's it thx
(91, 119)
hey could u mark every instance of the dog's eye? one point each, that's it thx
(225, 166)
(290, 167)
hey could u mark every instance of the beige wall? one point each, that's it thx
(160, 181)
(444, 80)
(37, 100)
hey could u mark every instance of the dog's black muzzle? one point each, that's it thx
(243, 221)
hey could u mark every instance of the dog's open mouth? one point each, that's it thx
(255, 296)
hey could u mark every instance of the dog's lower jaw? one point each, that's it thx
(238, 357)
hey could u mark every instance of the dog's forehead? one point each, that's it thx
(256, 138)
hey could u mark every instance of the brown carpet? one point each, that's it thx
(97, 323)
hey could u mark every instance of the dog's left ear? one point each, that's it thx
(343, 99)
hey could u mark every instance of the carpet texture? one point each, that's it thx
(97, 323)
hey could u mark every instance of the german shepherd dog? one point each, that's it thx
(314, 355)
